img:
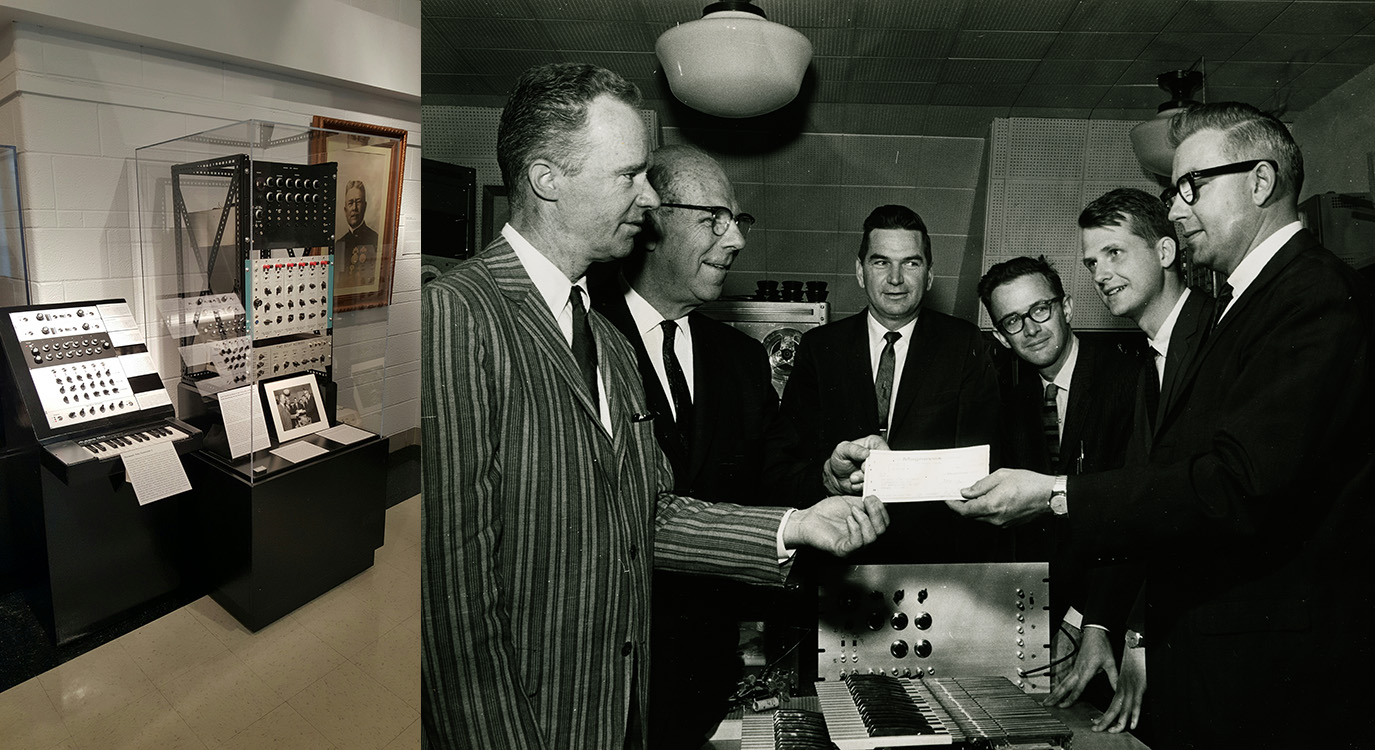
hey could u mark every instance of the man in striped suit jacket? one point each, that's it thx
(545, 494)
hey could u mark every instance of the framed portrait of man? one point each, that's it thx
(371, 161)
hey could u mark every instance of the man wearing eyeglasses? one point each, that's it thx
(915, 376)
(1252, 511)
(1067, 412)
(710, 388)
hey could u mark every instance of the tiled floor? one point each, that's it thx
(342, 672)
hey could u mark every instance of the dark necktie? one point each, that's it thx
(584, 347)
(1050, 421)
(883, 384)
(1153, 384)
(1224, 298)
(677, 384)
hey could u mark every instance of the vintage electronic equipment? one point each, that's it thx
(83, 385)
(1344, 223)
(777, 325)
(936, 620)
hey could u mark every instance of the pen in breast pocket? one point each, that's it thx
(1079, 464)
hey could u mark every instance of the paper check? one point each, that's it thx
(923, 476)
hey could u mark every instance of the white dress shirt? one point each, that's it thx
(1250, 267)
(647, 322)
(1160, 344)
(876, 344)
(554, 288)
(1063, 379)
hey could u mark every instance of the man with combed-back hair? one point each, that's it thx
(1251, 512)
(545, 499)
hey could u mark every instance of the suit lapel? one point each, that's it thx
(914, 372)
(539, 328)
(1185, 343)
(1076, 413)
(862, 371)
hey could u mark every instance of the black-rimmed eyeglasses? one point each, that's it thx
(1186, 187)
(721, 218)
(1039, 312)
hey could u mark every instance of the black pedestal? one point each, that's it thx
(93, 553)
(268, 546)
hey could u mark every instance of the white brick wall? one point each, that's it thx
(84, 104)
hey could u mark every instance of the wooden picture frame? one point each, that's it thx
(366, 155)
(296, 407)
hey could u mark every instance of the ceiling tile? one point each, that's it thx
(1122, 15)
(1290, 100)
(1183, 48)
(1076, 72)
(887, 93)
(814, 13)
(1119, 113)
(905, 14)
(673, 11)
(1286, 47)
(886, 119)
(597, 36)
(628, 64)
(590, 10)
(436, 55)
(437, 84)
(1036, 95)
(925, 43)
(830, 69)
(1099, 45)
(976, 94)
(1255, 73)
(506, 64)
(965, 121)
(1325, 75)
(1323, 18)
(1060, 113)
(475, 9)
(987, 71)
(893, 69)
(1018, 15)
(1002, 45)
(488, 33)
(1239, 16)
(1133, 97)
(828, 41)
(1255, 95)
(1358, 49)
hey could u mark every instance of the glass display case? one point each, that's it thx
(269, 282)
(267, 264)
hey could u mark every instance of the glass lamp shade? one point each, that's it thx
(1151, 142)
(734, 63)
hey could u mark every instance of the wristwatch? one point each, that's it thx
(1059, 501)
(1135, 639)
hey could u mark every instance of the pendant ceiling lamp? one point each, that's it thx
(1151, 139)
(733, 62)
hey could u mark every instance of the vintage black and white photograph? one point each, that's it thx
(295, 406)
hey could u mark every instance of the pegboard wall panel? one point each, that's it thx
(1041, 175)
(1044, 149)
(467, 136)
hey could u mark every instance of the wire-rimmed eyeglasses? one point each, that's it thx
(721, 218)
(1040, 312)
(1187, 186)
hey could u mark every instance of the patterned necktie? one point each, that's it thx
(584, 347)
(1050, 421)
(677, 384)
(883, 384)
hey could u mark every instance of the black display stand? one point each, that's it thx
(92, 552)
(270, 540)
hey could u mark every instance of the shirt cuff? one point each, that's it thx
(1103, 628)
(1073, 618)
(784, 554)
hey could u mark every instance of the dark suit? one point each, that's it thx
(947, 398)
(539, 527)
(1251, 514)
(695, 619)
(355, 254)
(1098, 424)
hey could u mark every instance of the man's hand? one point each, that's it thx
(843, 473)
(1095, 655)
(1125, 710)
(838, 525)
(1006, 497)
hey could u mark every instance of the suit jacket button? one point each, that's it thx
(627, 648)
(634, 551)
